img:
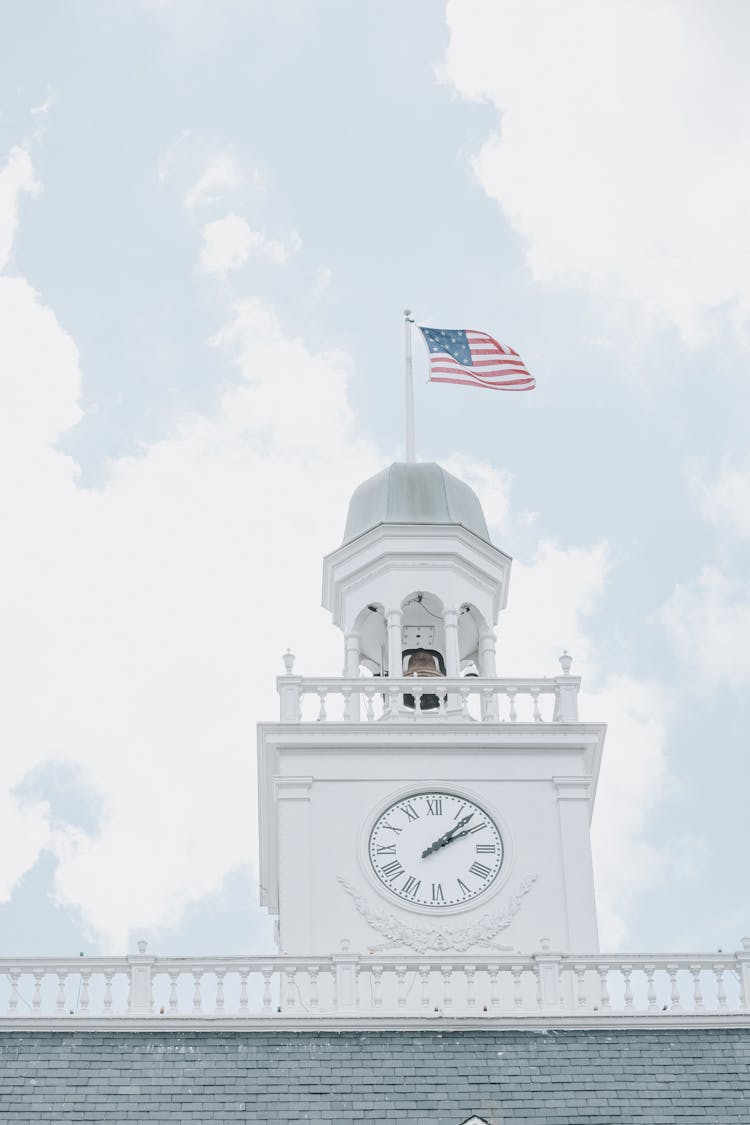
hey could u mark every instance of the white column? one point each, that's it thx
(295, 859)
(452, 656)
(573, 801)
(488, 669)
(351, 671)
(487, 665)
(393, 621)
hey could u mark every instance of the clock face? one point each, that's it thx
(435, 849)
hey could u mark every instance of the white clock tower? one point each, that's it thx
(419, 803)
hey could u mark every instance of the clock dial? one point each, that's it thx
(435, 849)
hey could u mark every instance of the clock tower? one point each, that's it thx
(418, 803)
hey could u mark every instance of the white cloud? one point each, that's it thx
(623, 146)
(17, 176)
(144, 623)
(725, 501)
(708, 621)
(221, 174)
(229, 242)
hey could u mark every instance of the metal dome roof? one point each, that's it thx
(414, 493)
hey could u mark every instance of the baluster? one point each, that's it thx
(441, 705)
(603, 972)
(267, 971)
(517, 973)
(580, 972)
(244, 1002)
(197, 998)
(376, 972)
(721, 993)
(493, 971)
(290, 991)
(447, 971)
(535, 698)
(424, 978)
(627, 972)
(220, 974)
(417, 693)
(401, 985)
(537, 970)
(83, 1004)
(174, 976)
(347, 694)
(485, 696)
(650, 970)
(674, 992)
(393, 703)
(512, 713)
(322, 713)
(108, 993)
(369, 712)
(463, 694)
(13, 1002)
(470, 972)
(695, 971)
(60, 999)
(314, 998)
(36, 1000)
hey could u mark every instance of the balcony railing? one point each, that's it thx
(415, 699)
(594, 987)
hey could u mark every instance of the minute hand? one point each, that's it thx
(453, 834)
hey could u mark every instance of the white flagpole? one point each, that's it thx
(409, 388)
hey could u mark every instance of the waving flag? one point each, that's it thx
(474, 359)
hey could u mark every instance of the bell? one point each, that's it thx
(422, 663)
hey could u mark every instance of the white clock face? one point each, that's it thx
(436, 849)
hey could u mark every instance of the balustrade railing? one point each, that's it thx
(349, 985)
(412, 698)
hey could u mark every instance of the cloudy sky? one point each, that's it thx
(211, 217)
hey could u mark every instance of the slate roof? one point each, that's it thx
(426, 1077)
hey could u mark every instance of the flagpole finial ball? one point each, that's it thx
(407, 312)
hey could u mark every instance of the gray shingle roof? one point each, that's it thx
(638, 1077)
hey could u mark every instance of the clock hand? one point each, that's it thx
(454, 833)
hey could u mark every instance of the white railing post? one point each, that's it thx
(744, 963)
(140, 1000)
(549, 977)
(566, 696)
(346, 967)
(288, 686)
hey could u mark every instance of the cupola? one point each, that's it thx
(416, 586)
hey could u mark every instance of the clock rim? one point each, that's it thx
(452, 789)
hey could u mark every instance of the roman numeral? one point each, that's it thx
(437, 892)
(459, 812)
(434, 806)
(480, 870)
(477, 828)
(489, 849)
(463, 888)
(387, 849)
(411, 812)
(390, 827)
(411, 886)
(393, 869)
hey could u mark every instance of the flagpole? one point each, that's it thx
(409, 388)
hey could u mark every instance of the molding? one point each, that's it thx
(361, 1021)
(422, 939)
(572, 788)
(292, 788)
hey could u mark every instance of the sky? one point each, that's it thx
(212, 215)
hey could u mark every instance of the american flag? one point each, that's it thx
(474, 359)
